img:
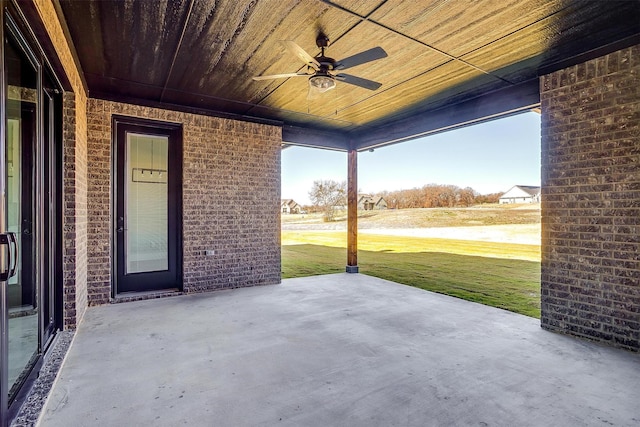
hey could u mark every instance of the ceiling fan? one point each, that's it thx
(323, 71)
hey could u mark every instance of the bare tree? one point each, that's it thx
(488, 198)
(467, 196)
(327, 195)
(437, 196)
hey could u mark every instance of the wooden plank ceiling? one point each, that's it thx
(443, 56)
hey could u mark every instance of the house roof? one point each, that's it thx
(377, 200)
(369, 198)
(450, 63)
(528, 189)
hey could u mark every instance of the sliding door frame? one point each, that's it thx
(46, 228)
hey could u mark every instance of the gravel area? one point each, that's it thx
(32, 407)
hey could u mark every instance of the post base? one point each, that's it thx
(352, 268)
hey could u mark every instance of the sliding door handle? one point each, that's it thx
(11, 241)
(14, 240)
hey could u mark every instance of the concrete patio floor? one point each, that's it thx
(336, 350)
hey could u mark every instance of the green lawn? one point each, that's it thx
(496, 274)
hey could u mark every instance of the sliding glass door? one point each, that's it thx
(21, 109)
(29, 218)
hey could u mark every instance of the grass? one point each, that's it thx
(437, 217)
(396, 244)
(501, 275)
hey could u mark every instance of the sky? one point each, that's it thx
(490, 157)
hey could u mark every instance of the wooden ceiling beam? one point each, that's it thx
(315, 138)
(501, 103)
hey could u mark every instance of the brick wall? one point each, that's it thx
(74, 211)
(231, 199)
(591, 199)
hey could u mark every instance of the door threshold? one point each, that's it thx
(140, 296)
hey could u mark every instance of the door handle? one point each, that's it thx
(12, 270)
(11, 241)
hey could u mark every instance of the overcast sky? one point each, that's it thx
(490, 157)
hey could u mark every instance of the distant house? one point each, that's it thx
(521, 194)
(367, 202)
(379, 203)
(289, 206)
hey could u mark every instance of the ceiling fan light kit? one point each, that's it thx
(323, 77)
(322, 83)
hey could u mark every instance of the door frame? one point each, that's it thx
(51, 181)
(152, 127)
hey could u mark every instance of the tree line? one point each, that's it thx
(437, 196)
(328, 195)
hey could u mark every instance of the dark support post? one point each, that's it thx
(352, 212)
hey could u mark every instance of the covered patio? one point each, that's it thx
(336, 350)
(167, 105)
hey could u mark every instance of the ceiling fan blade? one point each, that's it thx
(281, 76)
(358, 81)
(361, 58)
(301, 53)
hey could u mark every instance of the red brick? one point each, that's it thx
(590, 200)
(231, 200)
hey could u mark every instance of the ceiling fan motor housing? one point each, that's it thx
(323, 80)
(326, 64)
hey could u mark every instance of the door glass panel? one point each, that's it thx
(20, 137)
(146, 203)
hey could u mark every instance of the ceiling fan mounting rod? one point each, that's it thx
(322, 41)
